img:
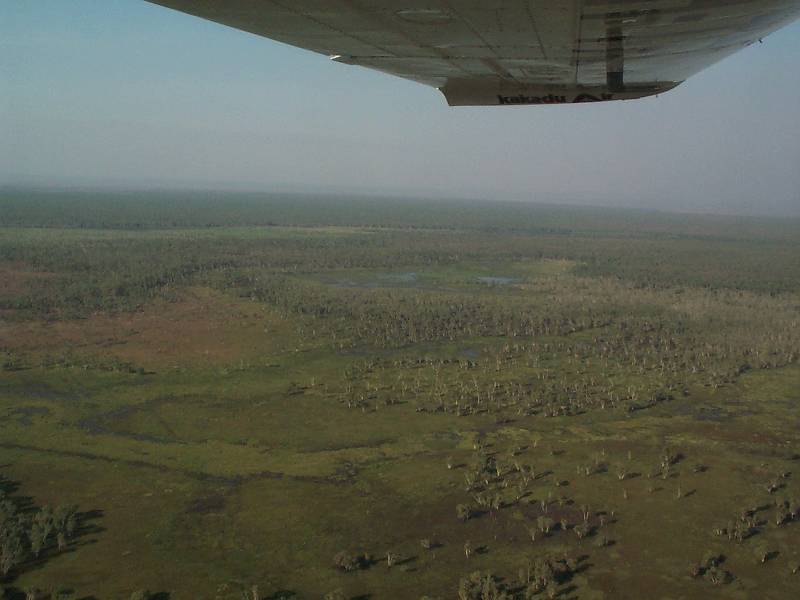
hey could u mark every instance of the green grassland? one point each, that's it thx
(233, 391)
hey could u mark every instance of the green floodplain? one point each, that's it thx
(229, 396)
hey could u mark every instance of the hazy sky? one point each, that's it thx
(126, 92)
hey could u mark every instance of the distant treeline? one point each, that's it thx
(137, 210)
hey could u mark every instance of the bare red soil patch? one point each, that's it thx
(201, 326)
(17, 279)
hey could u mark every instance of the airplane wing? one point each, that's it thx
(512, 52)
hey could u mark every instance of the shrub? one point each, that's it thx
(464, 512)
(347, 561)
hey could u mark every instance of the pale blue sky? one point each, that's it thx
(126, 92)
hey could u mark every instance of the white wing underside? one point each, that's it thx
(489, 52)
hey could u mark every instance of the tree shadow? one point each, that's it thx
(434, 545)
(282, 595)
(565, 593)
(583, 564)
(8, 486)
(772, 554)
(477, 513)
(407, 560)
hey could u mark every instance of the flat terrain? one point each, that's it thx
(247, 391)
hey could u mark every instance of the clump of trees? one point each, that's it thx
(545, 573)
(743, 527)
(482, 586)
(30, 534)
(710, 569)
(786, 511)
